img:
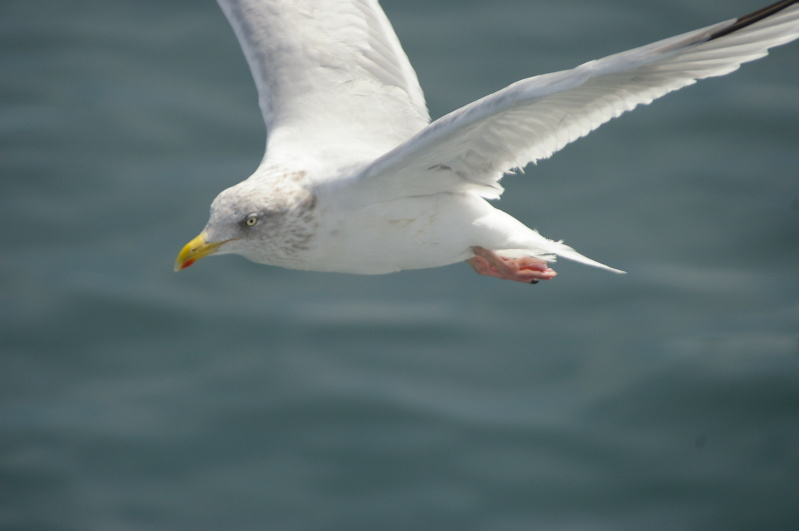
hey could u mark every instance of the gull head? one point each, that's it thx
(268, 221)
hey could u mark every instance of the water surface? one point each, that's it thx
(236, 396)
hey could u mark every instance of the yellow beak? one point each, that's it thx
(194, 250)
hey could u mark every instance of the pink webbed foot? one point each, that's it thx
(525, 269)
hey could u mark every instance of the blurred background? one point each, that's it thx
(238, 396)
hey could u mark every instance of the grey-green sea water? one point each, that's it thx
(234, 396)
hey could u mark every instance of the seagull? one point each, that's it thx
(356, 178)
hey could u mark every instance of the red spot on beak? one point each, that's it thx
(187, 263)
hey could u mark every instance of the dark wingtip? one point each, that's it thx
(751, 18)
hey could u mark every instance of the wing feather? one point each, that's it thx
(471, 148)
(331, 76)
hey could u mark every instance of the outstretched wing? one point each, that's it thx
(472, 147)
(331, 75)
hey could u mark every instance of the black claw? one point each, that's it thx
(533, 282)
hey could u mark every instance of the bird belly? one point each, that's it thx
(407, 233)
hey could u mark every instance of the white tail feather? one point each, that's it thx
(561, 249)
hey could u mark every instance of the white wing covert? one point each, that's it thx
(331, 76)
(471, 148)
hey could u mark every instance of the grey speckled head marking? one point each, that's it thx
(286, 216)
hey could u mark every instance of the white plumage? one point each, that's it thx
(355, 179)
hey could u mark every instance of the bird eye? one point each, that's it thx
(251, 220)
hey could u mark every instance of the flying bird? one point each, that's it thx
(356, 178)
